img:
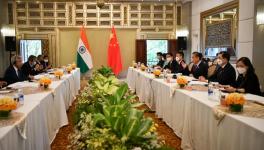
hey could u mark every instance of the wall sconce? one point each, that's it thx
(260, 15)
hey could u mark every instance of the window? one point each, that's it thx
(30, 47)
(153, 47)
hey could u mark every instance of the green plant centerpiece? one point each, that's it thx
(106, 117)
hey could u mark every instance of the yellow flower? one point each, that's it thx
(73, 65)
(182, 80)
(69, 68)
(7, 103)
(58, 73)
(157, 72)
(45, 81)
(143, 67)
(235, 98)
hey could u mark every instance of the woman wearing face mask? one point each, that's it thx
(247, 81)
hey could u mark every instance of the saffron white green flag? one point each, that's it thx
(84, 57)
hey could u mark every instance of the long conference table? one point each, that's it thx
(44, 113)
(190, 115)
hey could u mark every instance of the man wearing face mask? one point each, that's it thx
(247, 81)
(182, 65)
(225, 74)
(172, 65)
(161, 61)
(47, 64)
(13, 73)
(31, 67)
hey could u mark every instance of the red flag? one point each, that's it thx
(114, 55)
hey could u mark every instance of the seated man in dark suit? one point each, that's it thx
(31, 67)
(13, 73)
(183, 68)
(161, 61)
(172, 65)
(199, 68)
(225, 74)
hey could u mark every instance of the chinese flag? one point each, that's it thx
(114, 55)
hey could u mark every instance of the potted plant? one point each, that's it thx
(235, 102)
(73, 65)
(143, 67)
(69, 69)
(7, 104)
(45, 82)
(157, 73)
(182, 81)
(58, 74)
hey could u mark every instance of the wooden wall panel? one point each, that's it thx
(141, 51)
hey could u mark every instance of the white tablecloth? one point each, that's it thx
(190, 115)
(45, 113)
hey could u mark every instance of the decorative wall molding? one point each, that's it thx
(45, 16)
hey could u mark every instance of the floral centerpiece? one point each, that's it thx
(58, 74)
(235, 102)
(134, 64)
(143, 67)
(7, 104)
(157, 73)
(73, 65)
(69, 69)
(182, 81)
(45, 82)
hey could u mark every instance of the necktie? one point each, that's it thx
(194, 68)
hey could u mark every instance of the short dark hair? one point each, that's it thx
(46, 56)
(181, 53)
(169, 54)
(31, 58)
(159, 53)
(164, 55)
(225, 55)
(197, 54)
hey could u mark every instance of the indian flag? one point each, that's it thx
(84, 57)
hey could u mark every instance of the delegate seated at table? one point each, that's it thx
(183, 67)
(199, 68)
(160, 60)
(31, 67)
(225, 74)
(172, 65)
(14, 73)
(247, 81)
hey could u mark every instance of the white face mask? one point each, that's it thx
(177, 59)
(241, 70)
(219, 62)
(46, 60)
(169, 59)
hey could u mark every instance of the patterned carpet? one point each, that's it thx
(61, 141)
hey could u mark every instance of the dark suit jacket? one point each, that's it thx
(28, 70)
(160, 63)
(173, 66)
(200, 70)
(11, 76)
(250, 83)
(182, 70)
(224, 76)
